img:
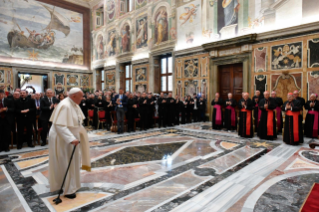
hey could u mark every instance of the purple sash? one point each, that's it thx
(259, 114)
(232, 115)
(315, 123)
(218, 118)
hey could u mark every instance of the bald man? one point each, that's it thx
(279, 103)
(312, 118)
(246, 127)
(217, 121)
(267, 123)
(293, 133)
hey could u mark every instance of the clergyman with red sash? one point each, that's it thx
(267, 123)
(246, 126)
(230, 113)
(217, 121)
(312, 118)
(293, 133)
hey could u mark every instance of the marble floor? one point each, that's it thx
(184, 168)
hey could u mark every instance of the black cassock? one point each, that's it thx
(311, 122)
(150, 112)
(230, 112)
(189, 110)
(131, 113)
(302, 102)
(267, 130)
(162, 111)
(184, 112)
(99, 105)
(143, 112)
(217, 124)
(170, 111)
(246, 126)
(108, 107)
(84, 107)
(256, 100)
(279, 103)
(293, 123)
(178, 107)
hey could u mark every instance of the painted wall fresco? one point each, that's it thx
(6, 78)
(142, 32)
(161, 25)
(189, 24)
(125, 38)
(140, 77)
(36, 31)
(110, 10)
(111, 44)
(109, 79)
(62, 82)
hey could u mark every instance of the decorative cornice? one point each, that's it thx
(107, 68)
(79, 2)
(93, 3)
(197, 49)
(278, 4)
(144, 60)
(232, 42)
(163, 48)
(288, 32)
(125, 57)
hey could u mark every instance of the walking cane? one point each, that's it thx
(58, 200)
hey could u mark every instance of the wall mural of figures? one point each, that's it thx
(140, 88)
(37, 31)
(142, 34)
(110, 79)
(99, 48)
(125, 38)
(110, 10)
(288, 56)
(161, 25)
(140, 74)
(191, 68)
(189, 24)
(111, 44)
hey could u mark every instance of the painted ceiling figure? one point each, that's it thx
(231, 8)
(161, 26)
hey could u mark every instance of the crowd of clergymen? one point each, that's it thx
(24, 115)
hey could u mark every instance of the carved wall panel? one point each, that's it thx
(285, 83)
(313, 53)
(260, 55)
(287, 56)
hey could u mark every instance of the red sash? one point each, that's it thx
(295, 118)
(232, 115)
(248, 120)
(315, 123)
(278, 109)
(218, 118)
(270, 123)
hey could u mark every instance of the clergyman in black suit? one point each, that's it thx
(47, 105)
(24, 108)
(6, 119)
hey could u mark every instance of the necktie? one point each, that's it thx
(1, 106)
(50, 101)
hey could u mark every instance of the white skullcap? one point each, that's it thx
(74, 91)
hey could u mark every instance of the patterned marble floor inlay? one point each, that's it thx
(184, 168)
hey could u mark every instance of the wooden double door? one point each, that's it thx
(231, 80)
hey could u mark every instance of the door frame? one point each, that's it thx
(245, 59)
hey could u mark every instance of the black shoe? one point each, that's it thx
(43, 144)
(7, 150)
(19, 147)
(70, 196)
(31, 146)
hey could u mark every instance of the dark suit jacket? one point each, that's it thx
(20, 105)
(124, 102)
(45, 108)
(9, 115)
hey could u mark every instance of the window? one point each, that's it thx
(128, 78)
(166, 74)
(99, 17)
(126, 6)
(102, 79)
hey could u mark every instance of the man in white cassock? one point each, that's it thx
(66, 132)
